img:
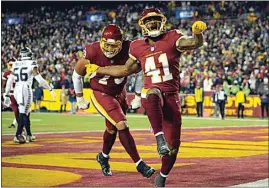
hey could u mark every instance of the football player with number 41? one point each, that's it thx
(158, 55)
(108, 95)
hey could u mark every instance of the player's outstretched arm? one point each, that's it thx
(130, 67)
(4, 81)
(8, 87)
(78, 74)
(43, 83)
(192, 42)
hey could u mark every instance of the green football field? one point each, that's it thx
(56, 122)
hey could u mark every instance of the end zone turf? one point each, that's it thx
(208, 158)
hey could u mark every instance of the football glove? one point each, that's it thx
(7, 101)
(198, 27)
(82, 103)
(52, 92)
(91, 69)
(136, 102)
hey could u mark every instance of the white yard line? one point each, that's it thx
(35, 120)
(66, 132)
(260, 183)
(144, 116)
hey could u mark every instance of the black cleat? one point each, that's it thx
(159, 181)
(145, 170)
(104, 164)
(162, 146)
(12, 126)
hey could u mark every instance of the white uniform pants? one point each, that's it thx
(24, 96)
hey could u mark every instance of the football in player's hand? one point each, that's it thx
(198, 27)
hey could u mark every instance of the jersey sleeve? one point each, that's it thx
(133, 51)
(175, 35)
(34, 65)
(5, 76)
(88, 52)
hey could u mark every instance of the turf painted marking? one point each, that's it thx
(260, 183)
(34, 120)
(185, 128)
(183, 117)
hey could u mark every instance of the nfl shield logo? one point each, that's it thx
(152, 48)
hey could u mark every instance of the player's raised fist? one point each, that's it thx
(198, 27)
(91, 69)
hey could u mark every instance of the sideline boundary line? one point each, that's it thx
(211, 127)
(144, 116)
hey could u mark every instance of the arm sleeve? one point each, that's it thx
(42, 82)
(88, 52)
(10, 81)
(78, 82)
(175, 36)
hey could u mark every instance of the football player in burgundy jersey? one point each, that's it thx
(157, 54)
(13, 104)
(108, 95)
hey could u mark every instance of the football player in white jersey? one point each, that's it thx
(23, 72)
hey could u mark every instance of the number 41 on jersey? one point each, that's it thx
(155, 73)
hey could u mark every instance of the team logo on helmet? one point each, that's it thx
(111, 40)
(26, 54)
(152, 22)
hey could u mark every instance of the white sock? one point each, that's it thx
(15, 121)
(105, 155)
(137, 163)
(164, 176)
(157, 134)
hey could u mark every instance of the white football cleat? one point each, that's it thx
(30, 138)
(136, 102)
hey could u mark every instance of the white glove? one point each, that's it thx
(7, 101)
(136, 102)
(93, 75)
(53, 94)
(82, 103)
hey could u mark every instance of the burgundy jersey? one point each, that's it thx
(160, 63)
(5, 77)
(105, 83)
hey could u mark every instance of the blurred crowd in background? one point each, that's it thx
(234, 55)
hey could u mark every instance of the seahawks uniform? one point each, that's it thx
(23, 76)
